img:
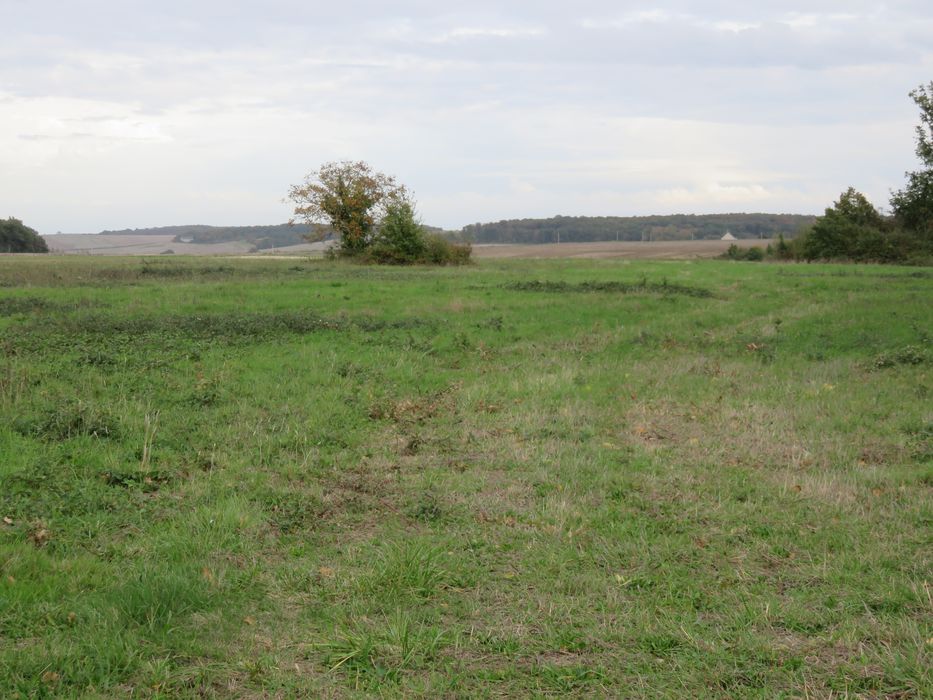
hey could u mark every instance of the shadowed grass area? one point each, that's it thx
(270, 478)
(642, 287)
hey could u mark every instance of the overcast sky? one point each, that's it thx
(124, 114)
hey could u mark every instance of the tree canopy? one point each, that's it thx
(349, 197)
(851, 228)
(372, 215)
(913, 205)
(16, 237)
(923, 97)
(400, 237)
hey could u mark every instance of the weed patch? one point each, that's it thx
(155, 599)
(154, 269)
(12, 306)
(415, 410)
(71, 419)
(31, 305)
(293, 511)
(409, 569)
(15, 382)
(381, 653)
(146, 480)
(96, 337)
(907, 355)
(664, 288)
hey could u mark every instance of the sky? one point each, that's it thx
(127, 114)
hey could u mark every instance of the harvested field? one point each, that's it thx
(637, 250)
(101, 244)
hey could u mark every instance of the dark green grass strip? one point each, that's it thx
(641, 287)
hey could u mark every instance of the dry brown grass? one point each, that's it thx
(636, 250)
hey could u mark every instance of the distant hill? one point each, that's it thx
(675, 227)
(262, 237)
(572, 229)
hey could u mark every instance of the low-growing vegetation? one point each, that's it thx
(281, 478)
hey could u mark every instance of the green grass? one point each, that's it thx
(585, 478)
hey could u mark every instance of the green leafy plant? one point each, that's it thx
(16, 237)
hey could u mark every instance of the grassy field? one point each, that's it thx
(267, 478)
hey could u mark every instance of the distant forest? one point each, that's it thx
(677, 227)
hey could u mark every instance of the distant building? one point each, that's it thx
(728, 237)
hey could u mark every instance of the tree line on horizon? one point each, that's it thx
(669, 227)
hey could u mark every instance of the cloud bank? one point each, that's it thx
(125, 114)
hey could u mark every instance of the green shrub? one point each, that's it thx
(16, 237)
(70, 419)
(907, 355)
(783, 251)
(755, 254)
(401, 237)
(440, 251)
(402, 240)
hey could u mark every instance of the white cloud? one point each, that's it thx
(489, 32)
(809, 20)
(734, 26)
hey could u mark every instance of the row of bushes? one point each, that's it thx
(402, 240)
(851, 230)
(435, 250)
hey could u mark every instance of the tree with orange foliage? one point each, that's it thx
(349, 197)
